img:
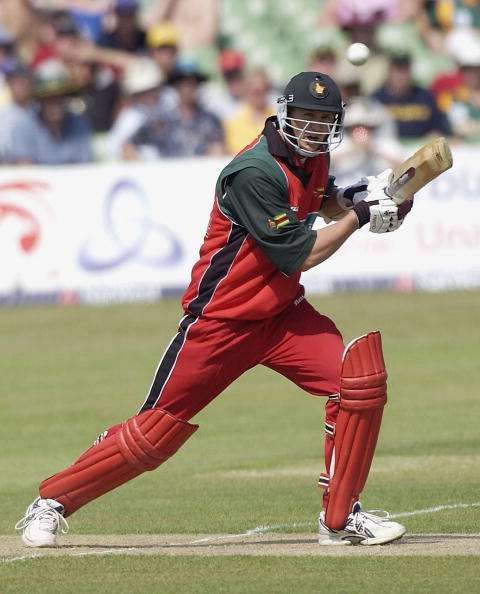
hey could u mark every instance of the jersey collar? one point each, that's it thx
(301, 168)
(275, 143)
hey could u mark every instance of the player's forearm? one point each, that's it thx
(330, 239)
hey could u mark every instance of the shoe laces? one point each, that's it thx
(373, 514)
(46, 516)
(361, 516)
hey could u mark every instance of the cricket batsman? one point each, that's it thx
(245, 306)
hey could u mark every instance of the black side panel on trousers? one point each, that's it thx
(166, 364)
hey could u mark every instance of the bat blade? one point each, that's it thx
(420, 169)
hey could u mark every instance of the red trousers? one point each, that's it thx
(203, 358)
(207, 355)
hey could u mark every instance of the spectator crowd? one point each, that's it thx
(90, 80)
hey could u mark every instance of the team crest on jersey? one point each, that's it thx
(278, 221)
(318, 90)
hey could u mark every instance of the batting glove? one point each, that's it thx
(378, 208)
(382, 213)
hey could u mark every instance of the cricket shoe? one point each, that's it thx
(42, 522)
(364, 528)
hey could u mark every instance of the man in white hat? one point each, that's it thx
(141, 86)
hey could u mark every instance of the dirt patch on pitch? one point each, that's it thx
(272, 544)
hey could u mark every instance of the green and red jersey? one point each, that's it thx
(257, 239)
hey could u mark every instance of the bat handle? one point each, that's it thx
(389, 192)
(395, 187)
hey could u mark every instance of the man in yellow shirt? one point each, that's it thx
(249, 119)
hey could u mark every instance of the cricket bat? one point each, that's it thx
(420, 169)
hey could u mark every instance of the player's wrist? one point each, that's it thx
(348, 196)
(344, 202)
(362, 212)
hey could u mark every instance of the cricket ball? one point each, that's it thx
(357, 54)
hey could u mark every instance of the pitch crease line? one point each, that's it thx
(435, 509)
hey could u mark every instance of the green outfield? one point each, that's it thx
(66, 374)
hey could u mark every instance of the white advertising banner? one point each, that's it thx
(127, 231)
(114, 232)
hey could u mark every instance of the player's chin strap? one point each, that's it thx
(363, 394)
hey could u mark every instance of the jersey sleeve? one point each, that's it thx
(255, 201)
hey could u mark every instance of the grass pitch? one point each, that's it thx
(69, 373)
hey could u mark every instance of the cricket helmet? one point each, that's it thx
(312, 91)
